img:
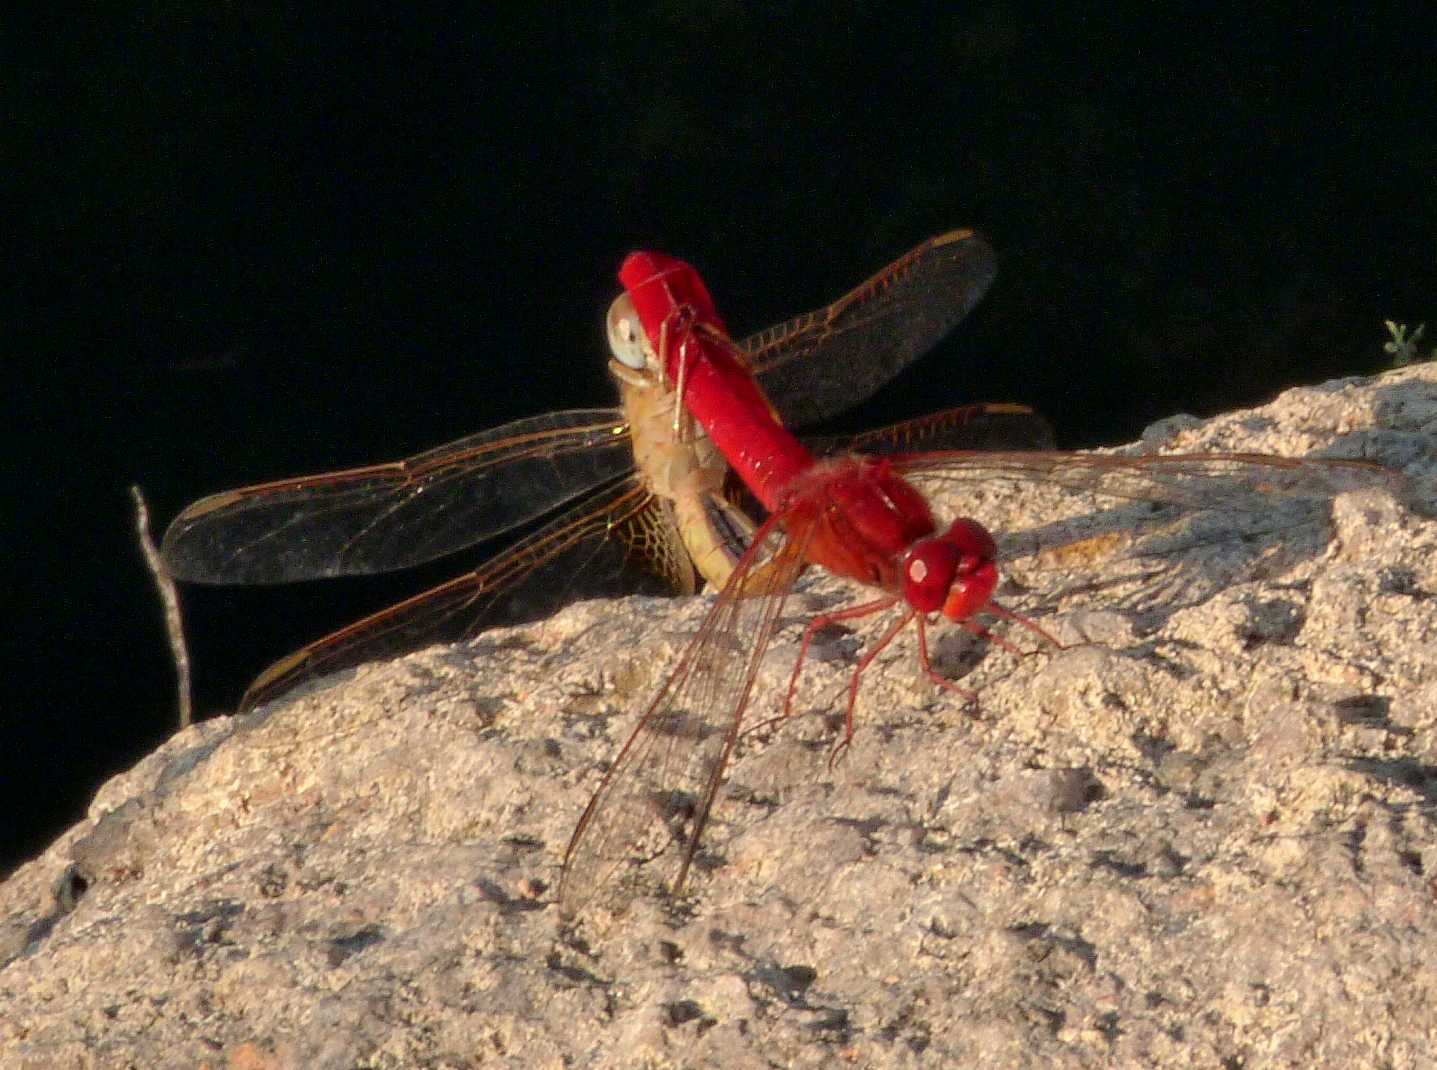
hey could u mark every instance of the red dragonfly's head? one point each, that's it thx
(953, 572)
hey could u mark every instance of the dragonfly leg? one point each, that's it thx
(927, 666)
(1007, 614)
(817, 624)
(632, 376)
(858, 671)
(681, 378)
(984, 634)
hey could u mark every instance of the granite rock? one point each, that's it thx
(1200, 834)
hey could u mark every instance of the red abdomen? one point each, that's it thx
(682, 325)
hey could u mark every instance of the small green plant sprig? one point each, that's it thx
(1403, 346)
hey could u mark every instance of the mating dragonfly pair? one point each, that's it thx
(659, 483)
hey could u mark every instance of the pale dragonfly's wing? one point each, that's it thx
(618, 540)
(383, 517)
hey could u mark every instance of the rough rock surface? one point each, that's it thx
(1202, 834)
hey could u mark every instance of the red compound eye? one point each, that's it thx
(928, 572)
(953, 572)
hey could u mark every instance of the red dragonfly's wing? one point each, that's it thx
(390, 516)
(1243, 481)
(988, 426)
(593, 550)
(823, 362)
(1123, 524)
(669, 771)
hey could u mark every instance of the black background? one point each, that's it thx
(251, 242)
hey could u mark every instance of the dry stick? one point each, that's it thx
(170, 599)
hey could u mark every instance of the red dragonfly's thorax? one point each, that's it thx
(858, 519)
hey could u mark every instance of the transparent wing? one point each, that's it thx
(823, 362)
(1152, 532)
(1239, 480)
(994, 426)
(601, 548)
(663, 783)
(987, 426)
(390, 516)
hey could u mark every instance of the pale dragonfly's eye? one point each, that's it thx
(626, 336)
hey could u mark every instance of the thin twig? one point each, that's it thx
(170, 599)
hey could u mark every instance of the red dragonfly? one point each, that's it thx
(862, 517)
(642, 486)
